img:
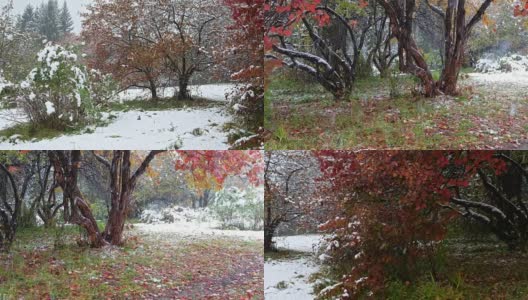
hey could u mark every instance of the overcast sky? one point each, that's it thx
(75, 7)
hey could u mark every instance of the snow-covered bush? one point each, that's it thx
(102, 87)
(4, 83)
(235, 208)
(57, 92)
(174, 214)
(506, 64)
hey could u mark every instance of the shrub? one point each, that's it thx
(239, 209)
(56, 93)
(102, 87)
(5, 88)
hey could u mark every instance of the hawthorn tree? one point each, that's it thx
(288, 184)
(458, 24)
(217, 165)
(499, 204)
(47, 205)
(337, 31)
(77, 210)
(146, 41)
(36, 189)
(398, 199)
(15, 175)
(381, 51)
(186, 33)
(112, 29)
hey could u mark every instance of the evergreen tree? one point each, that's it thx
(48, 20)
(65, 20)
(27, 21)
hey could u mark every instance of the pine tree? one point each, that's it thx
(48, 20)
(26, 22)
(65, 20)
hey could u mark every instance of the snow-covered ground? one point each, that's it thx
(197, 230)
(141, 131)
(509, 71)
(186, 128)
(187, 222)
(518, 79)
(10, 117)
(288, 278)
(216, 92)
(308, 243)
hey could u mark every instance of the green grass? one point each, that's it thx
(146, 265)
(304, 116)
(466, 269)
(29, 132)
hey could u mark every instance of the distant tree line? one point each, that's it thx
(47, 19)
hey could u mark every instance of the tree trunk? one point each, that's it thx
(153, 89)
(122, 186)
(76, 209)
(449, 79)
(183, 92)
(269, 232)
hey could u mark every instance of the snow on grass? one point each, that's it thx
(216, 92)
(511, 79)
(506, 72)
(288, 278)
(142, 131)
(490, 63)
(197, 229)
(303, 243)
(11, 117)
(172, 214)
(189, 222)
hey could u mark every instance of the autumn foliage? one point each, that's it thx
(245, 58)
(213, 167)
(392, 210)
(520, 9)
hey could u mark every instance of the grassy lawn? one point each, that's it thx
(43, 266)
(386, 113)
(466, 270)
(473, 270)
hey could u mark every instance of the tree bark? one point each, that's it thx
(76, 209)
(122, 185)
(269, 232)
(456, 29)
(183, 92)
(153, 89)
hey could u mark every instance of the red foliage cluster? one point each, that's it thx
(294, 11)
(248, 64)
(221, 164)
(520, 9)
(391, 208)
(248, 25)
